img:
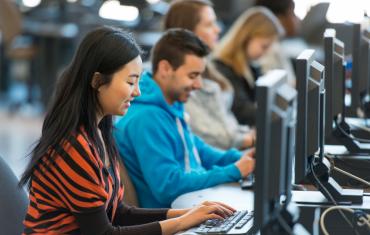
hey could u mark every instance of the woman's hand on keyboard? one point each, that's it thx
(205, 211)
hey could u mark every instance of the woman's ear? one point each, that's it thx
(96, 80)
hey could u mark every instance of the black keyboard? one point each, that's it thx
(237, 221)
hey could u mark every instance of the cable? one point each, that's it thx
(352, 176)
(322, 186)
(351, 165)
(284, 224)
(364, 221)
(316, 221)
(340, 208)
(363, 218)
(330, 196)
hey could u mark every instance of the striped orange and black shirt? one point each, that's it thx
(76, 181)
(76, 193)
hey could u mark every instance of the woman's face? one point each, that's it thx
(258, 46)
(115, 97)
(207, 29)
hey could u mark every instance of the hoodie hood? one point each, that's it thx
(152, 94)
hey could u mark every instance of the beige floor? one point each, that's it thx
(17, 133)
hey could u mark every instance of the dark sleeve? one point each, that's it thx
(129, 215)
(244, 106)
(97, 223)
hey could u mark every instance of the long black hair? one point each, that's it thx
(75, 102)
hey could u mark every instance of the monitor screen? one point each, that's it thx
(310, 86)
(310, 164)
(276, 112)
(364, 66)
(357, 84)
(334, 80)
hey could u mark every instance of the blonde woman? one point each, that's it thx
(247, 40)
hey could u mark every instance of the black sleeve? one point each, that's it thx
(128, 215)
(244, 106)
(97, 223)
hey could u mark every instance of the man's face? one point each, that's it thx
(184, 79)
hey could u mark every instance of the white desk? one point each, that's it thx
(232, 195)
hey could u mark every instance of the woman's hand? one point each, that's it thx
(206, 210)
(192, 217)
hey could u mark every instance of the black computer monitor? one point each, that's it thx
(334, 82)
(310, 86)
(310, 164)
(357, 84)
(276, 112)
(337, 130)
(363, 81)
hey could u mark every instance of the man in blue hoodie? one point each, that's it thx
(163, 157)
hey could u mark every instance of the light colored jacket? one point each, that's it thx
(210, 115)
(276, 58)
(212, 119)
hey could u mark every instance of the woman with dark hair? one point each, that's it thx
(73, 175)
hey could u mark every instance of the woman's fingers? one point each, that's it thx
(214, 216)
(226, 206)
(228, 210)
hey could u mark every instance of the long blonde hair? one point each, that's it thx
(255, 22)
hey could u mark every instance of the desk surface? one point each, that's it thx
(232, 195)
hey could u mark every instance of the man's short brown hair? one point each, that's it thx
(174, 45)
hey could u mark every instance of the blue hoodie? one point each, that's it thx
(153, 150)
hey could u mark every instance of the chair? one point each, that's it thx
(130, 196)
(13, 201)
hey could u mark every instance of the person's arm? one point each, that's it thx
(129, 215)
(97, 222)
(212, 157)
(194, 216)
(159, 151)
(173, 213)
(243, 161)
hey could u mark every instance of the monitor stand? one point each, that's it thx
(360, 127)
(342, 135)
(287, 219)
(322, 180)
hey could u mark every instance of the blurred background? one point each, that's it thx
(38, 38)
